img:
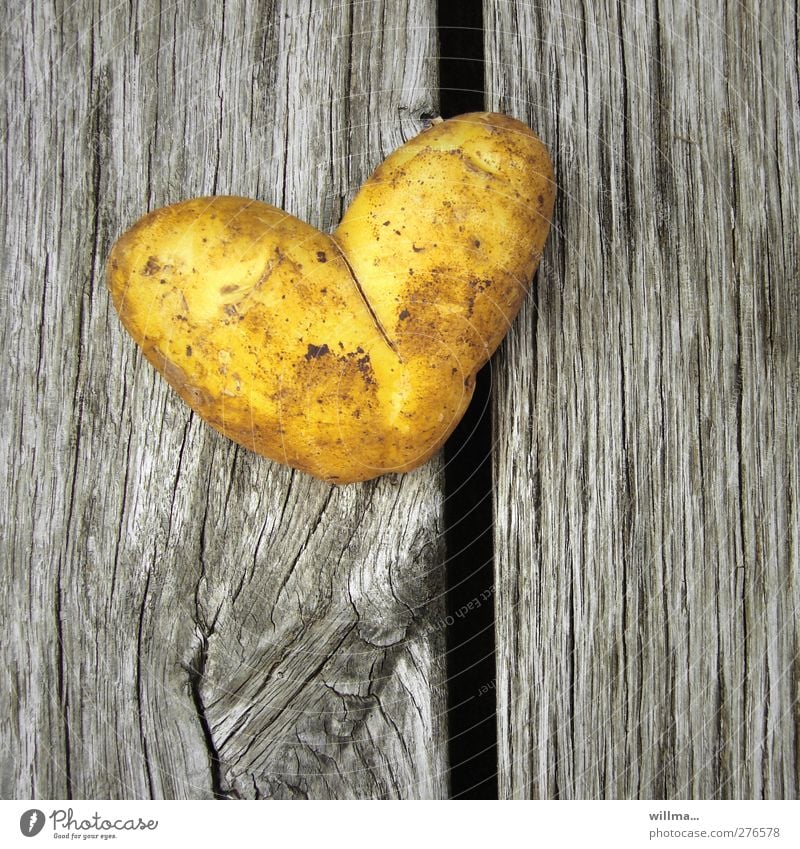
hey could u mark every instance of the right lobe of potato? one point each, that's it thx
(444, 239)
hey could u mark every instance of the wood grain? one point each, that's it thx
(646, 416)
(185, 619)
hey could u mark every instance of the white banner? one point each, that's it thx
(410, 825)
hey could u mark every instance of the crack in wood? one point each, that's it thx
(63, 696)
(472, 724)
(139, 694)
(197, 670)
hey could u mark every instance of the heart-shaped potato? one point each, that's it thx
(351, 355)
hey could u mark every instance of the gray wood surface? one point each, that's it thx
(646, 417)
(183, 618)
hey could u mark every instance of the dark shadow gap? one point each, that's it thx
(472, 707)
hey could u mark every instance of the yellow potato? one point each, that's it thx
(352, 355)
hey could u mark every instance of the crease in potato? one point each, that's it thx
(353, 354)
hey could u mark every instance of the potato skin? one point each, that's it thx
(445, 237)
(254, 319)
(354, 355)
(448, 232)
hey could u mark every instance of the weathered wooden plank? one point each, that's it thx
(646, 406)
(187, 619)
